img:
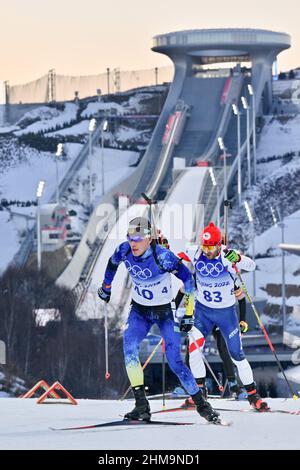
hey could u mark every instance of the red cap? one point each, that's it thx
(211, 235)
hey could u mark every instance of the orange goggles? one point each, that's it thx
(208, 248)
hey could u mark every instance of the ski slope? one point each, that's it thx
(25, 425)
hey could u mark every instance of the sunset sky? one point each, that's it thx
(84, 37)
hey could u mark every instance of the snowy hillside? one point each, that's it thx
(27, 155)
(25, 425)
(278, 173)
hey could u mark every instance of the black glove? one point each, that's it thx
(187, 323)
(104, 293)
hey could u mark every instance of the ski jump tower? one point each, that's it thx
(191, 48)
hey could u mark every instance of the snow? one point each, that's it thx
(21, 181)
(8, 129)
(25, 425)
(49, 120)
(292, 374)
(271, 238)
(126, 133)
(78, 129)
(40, 113)
(9, 240)
(93, 108)
(279, 135)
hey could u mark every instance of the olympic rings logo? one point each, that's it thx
(137, 271)
(209, 269)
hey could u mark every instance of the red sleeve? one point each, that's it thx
(184, 256)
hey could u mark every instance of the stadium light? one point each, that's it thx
(252, 94)
(39, 194)
(215, 184)
(250, 218)
(92, 126)
(247, 108)
(223, 148)
(59, 152)
(104, 128)
(236, 111)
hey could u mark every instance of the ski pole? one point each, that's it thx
(151, 203)
(224, 388)
(144, 366)
(163, 348)
(243, 285)
(220, 387)
(227, 206)
(107, 374)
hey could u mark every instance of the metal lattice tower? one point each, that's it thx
(51, 86)
(117, 80)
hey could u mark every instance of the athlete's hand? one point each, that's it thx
(233, 256)
(244, 327)
(189, 304)
(162, 240)
(104, 292)
(187, 323)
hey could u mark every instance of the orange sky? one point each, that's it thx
(82, 38)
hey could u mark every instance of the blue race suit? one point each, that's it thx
(151, 304)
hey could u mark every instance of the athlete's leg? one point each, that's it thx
(224, 354)
(228, 323)
(137, 328)
(203, 326)
(171, 335)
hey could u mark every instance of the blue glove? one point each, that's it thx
(187, 323)
(104, 293)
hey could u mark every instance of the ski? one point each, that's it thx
(220, 422)
(178, 408)
(246, 410)
(243, 410)
(123, 422)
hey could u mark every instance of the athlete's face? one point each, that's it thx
(211, 252)
(138, 248)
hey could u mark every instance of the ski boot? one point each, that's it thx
(188, 403)
(255, 399)
(204, 408)
(236, 391)
(141, 411)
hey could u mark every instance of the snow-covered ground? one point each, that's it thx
(48, 119)
(25, 425)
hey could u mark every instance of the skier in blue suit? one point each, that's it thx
(150, 267)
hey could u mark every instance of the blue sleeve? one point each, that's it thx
(171, 263)
(114, 261)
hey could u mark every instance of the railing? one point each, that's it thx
(172, 140)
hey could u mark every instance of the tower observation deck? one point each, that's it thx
(210, 46)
